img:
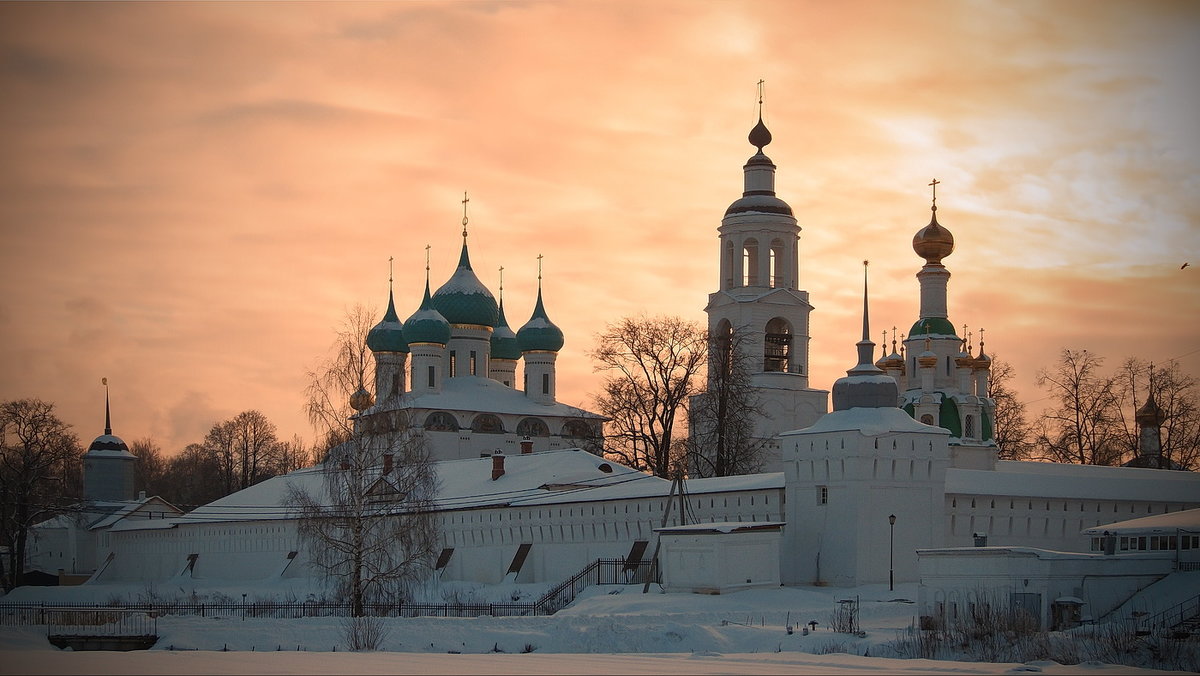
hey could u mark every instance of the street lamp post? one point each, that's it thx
(891, 552)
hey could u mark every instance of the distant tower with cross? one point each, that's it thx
(759, 306)
(941, 381)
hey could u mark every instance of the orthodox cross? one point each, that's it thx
(465, 199)
(934, 185)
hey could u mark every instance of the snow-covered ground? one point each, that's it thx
(609, 629)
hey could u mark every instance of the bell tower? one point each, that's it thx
(759, 307)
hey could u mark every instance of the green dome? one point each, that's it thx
(539, 333)
(388, 334)
(463, 299)
(504, 341)
(427, 325)
(934, 326)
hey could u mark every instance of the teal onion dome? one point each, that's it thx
(539, 333)
(427, 325)
(504, 341)
(933, 326)
(463, 299)
(388, 334)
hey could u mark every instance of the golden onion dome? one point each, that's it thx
(933, 242)
(361, 400)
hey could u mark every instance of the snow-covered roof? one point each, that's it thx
(102, 513)
(544, 478)
(132, 508)
(1057, 480)
(484, 395)
(722, 527)
(868, 422)
(1170, 523)
(1032, 552)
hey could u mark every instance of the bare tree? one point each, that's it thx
(1011, 430)
(1175, 393)
(346, 368)
(293, 455)
(721, 419)
(151, 465)
(653, 362)
(37, 451)
(255, 447)
(369, 527)
(1080, 426)
(193, 478)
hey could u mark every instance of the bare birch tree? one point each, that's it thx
(369, 528)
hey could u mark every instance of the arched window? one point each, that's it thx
(927, 419)
(487, 423)
(533, 427)
(730, 265)
(722, 356)
(777, 346)
(441, 421)
(750, 262)
(778, 268)
(578, 429)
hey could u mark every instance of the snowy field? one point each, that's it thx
(608, 629)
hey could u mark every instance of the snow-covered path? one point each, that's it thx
(206, 662)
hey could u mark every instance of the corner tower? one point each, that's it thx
(759, 299)
(108, 466)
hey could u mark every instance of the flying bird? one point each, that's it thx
(1184, 265)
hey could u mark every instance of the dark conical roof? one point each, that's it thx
(504, 342)
(427, 325)
(388, 334)
(539, 334)
(463, 299)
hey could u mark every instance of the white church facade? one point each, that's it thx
(904, 461)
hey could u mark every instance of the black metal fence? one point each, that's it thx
(100, 622)
(601, 571)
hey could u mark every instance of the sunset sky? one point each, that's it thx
(193, 194)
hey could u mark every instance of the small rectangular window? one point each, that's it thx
(474, 364)
(545, 383)
(453, 364)
(822, 495)
(432, 375)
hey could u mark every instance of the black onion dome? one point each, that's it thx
(760, 136)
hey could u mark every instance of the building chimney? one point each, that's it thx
(387, 463)
(526, 446)
(497, 465)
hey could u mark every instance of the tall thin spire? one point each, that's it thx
(866, 324)
(107, 416)
(934, 184)
(866, 348)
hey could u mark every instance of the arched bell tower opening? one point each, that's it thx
(777, 346)
(750, 276)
